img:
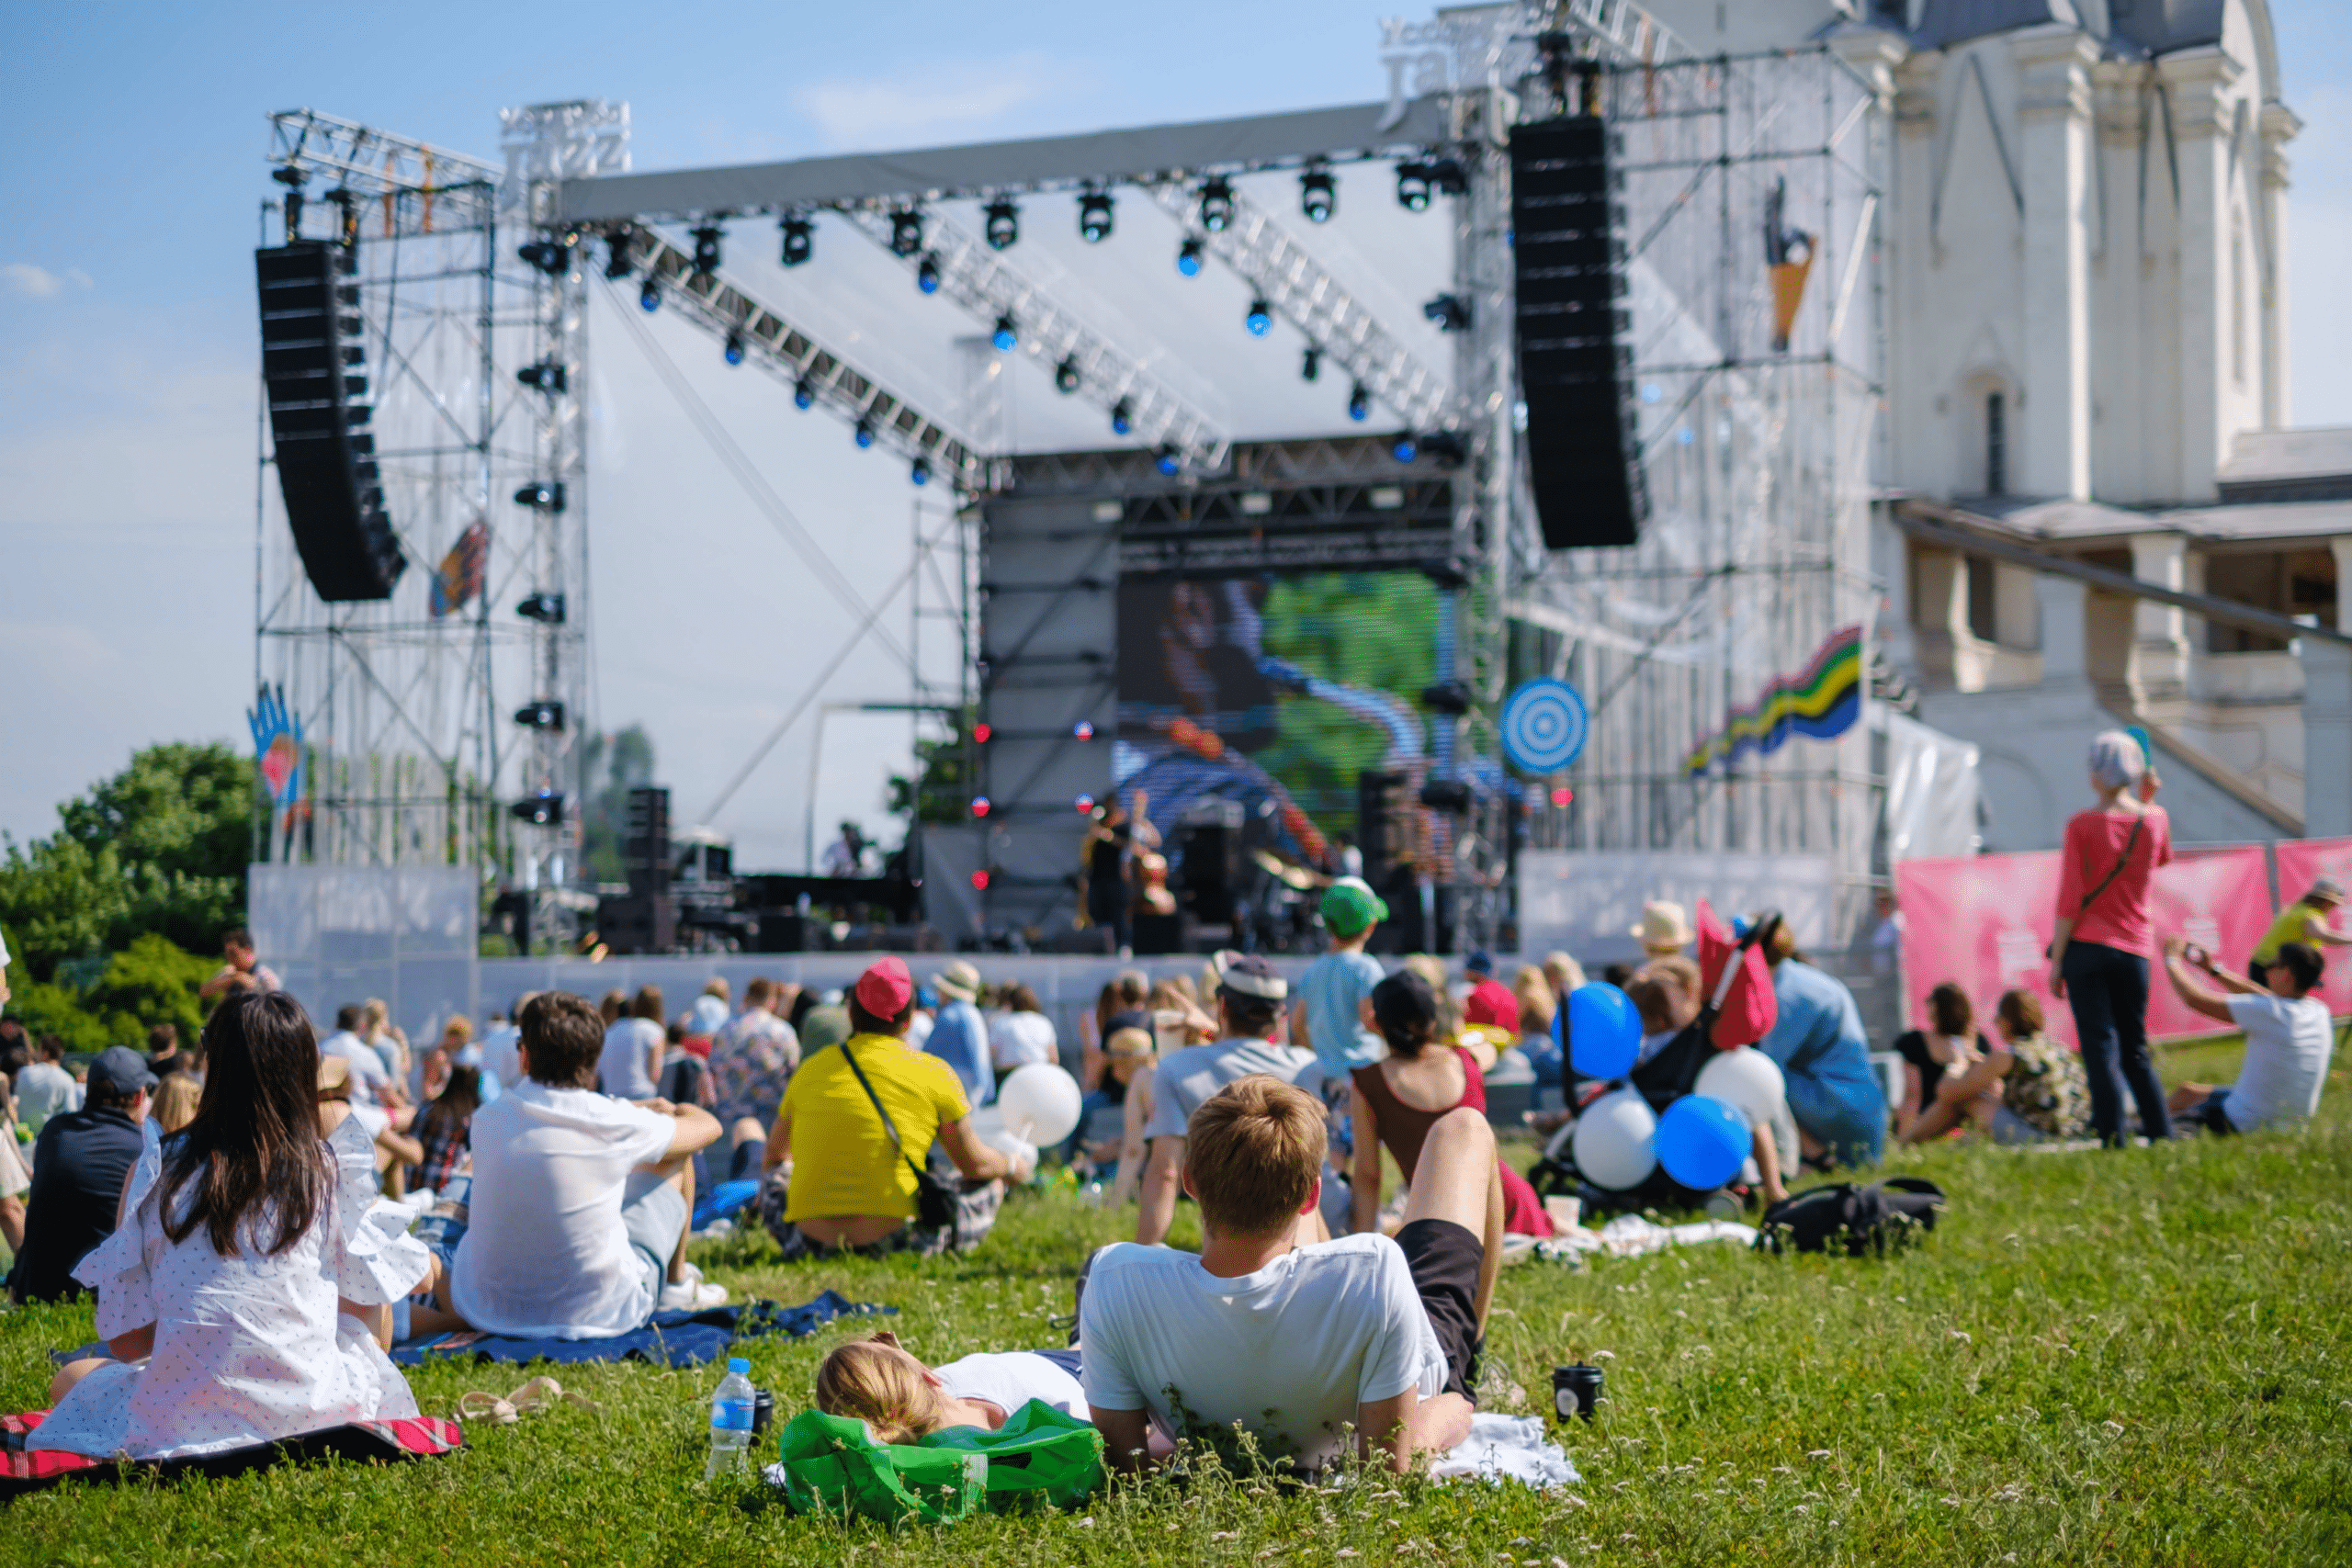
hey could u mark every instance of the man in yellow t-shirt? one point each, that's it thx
(838, 1180)
(2307, 920)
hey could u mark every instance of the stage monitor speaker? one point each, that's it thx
(1568, 247)
(312, 362)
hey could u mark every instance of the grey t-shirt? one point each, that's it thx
(1186, 1078)
(2288, 1041)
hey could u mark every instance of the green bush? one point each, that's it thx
(150, 982)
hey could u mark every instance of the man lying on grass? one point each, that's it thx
(1292, 1345)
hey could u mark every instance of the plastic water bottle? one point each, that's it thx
(730, 1420)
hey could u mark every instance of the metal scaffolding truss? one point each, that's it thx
(1618, 31)
(390, 186)
(1305, 293)
(723, 309)
(986, 287)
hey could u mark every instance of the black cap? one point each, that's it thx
(1245, 974)
(120, 1072)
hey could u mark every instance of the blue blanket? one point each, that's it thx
(675, 1338)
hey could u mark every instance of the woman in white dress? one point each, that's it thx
(245, 1293)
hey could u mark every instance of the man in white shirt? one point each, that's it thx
(370, 1084)
(2288, 1037)
(576, 1223)
(629, 1065)
(1250, 1006)
(1294, 1343)
(45, 1088)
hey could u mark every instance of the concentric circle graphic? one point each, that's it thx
(1544, 725)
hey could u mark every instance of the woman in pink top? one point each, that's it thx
(2099, 953)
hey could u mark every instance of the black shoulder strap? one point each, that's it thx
(2116, 869)
(888, 1125)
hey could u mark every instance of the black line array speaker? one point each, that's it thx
(1575, 369)
(311, 366)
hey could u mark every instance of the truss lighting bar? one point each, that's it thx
(720, 307)
(1286, 275)
(402, 186)
(1054, 162)
(988, 289)
(1619, 30)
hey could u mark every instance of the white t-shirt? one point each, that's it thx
(2287, 1046)
(45, 1090)
(1019, 1039)
(622, 1066)
(1011, 1379)
(502, 1053)
(1186, 1078)
(1289, 1352)
(367, 1074)
(545, 1253)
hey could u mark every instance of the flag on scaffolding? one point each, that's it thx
(1821, 703)
(459, 577)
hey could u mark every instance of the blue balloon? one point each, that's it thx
(1702, 1142)
(1604, 1031)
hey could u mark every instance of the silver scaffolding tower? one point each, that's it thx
(428, 716)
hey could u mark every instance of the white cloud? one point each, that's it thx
(909, 108)
(39, 282)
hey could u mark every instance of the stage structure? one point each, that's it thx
(442, 719)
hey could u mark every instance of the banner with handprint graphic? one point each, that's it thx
(278, 746)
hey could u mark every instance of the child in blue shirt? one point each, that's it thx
(1334, 1014)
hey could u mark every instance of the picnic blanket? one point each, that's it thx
(675, 1338)
(421, 1437)
(1507, 1447)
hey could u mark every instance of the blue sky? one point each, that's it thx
(126, 402)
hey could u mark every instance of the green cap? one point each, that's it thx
(1352, 906)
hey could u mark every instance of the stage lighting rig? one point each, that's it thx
(550, 256)
(927, 276)
(1006, 337)
(1216, 205)
(543, 809)
(617, 262)
(1169, 460)
(1359, 403)
(1123, 417)
(1404, 448)
(649, 296)
(734, 346)
(1003, 228)
(707, 249)
(906, 231)
(1260, 318)
(1188, 257)
(547, 376)
(920, 473)
(1413, 188)
(1449, 311)
(799, 238)
(547, 609)
(1445, 449)
(1094, 217)
(541, 496)
(1317, 196)
(540, 716)
(1066, 377)
(863, 433)
(804, 394)
(1310, 365)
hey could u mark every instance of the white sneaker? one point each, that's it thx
(691, 1294)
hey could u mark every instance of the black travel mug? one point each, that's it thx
(762, 1409)
(1575, 1389)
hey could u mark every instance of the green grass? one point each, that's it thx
(2140, 1357)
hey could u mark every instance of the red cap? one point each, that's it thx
(886, 988)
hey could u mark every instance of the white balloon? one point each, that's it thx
(1752, 1081)
(1040, 1103)
(1616, 1141)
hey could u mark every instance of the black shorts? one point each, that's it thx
(1444, 1259)
(2211, 1113)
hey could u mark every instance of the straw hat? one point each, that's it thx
(1665, 927)
(958, 980)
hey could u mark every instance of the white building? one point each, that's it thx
(2085, 307)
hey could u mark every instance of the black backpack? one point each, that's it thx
(1868, 1219)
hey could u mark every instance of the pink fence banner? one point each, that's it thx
(2300, 861)
(1984, 921)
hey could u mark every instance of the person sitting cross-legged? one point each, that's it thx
(1294, 1347)
(2288, 1038)
(576, 1219)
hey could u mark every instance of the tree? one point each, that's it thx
(626, 759)
(941, 788)
(150, 983)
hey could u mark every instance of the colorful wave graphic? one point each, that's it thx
(1821, 704)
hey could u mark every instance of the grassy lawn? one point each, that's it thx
(2143, 1357)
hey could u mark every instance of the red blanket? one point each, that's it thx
(423, 1436)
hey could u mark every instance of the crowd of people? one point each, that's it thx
(237, 1204)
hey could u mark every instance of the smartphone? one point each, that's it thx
(2197, 956)
(2147, 748)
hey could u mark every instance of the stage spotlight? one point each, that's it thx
(1085, 803)
(617, 252)
(1260, 318)
(734, 346)
(543, 809)
(799, 238)
(981, 733)
(1317, 196)
(1450, 313)
(863, 433)
(1065, 375)
(920, 473)
(545, 608)
(1563, 795)
(706, 249)
(906, 231)
(1448, 698)
(1006, 337)
(1310, 365)
(927, 276)
(1168, 460)
(1359, 403)
(1123, 417)
(1447, 176)
(1083, 729)
(548, 256)
(979, 805)
(1216, 205)
(540, 716)
(649, 296)
(1413, 186)
(541, 495)
(1094, 217)
(804, 395)
(981, 880)
(1188, 257)
(547, 376)
(1003, 228)
(1445, 449)
(1404, 448)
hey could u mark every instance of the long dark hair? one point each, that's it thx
(253, 1150)
(456, 1103)
(1404, 1010)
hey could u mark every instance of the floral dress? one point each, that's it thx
(249, 1348)
(2046, 1087)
